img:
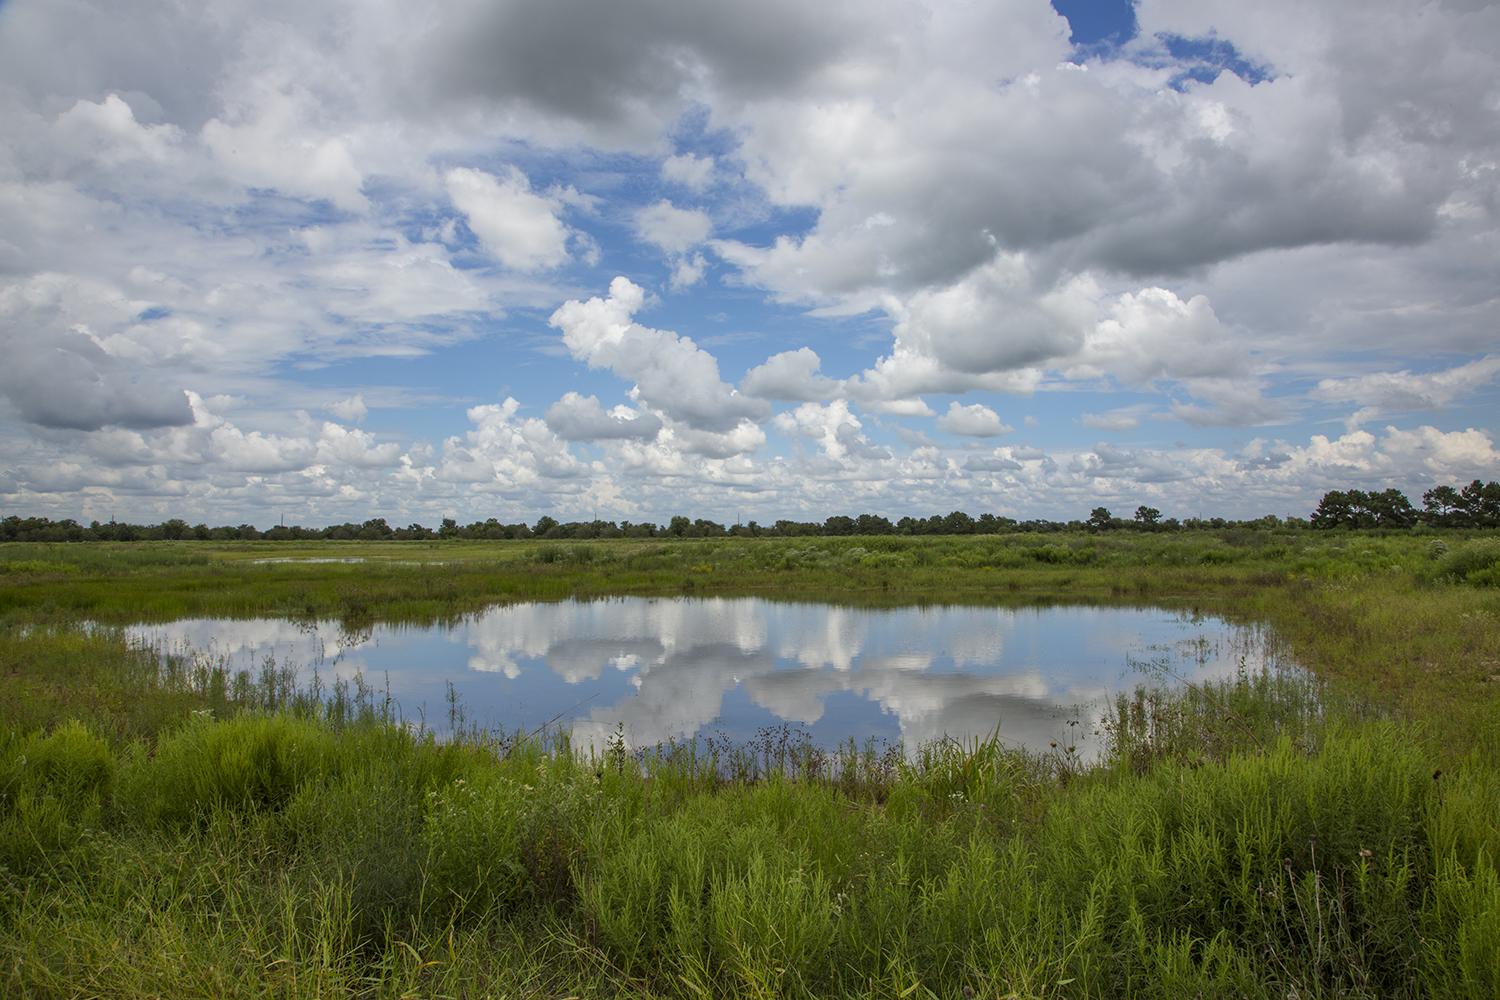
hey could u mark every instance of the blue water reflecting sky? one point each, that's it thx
(672, 668)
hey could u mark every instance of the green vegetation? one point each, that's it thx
(177, 830)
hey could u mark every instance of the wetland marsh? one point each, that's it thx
(204, 827)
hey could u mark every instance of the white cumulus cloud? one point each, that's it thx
(670, 228)
(518, 227)
(975, 420)
(671, 373)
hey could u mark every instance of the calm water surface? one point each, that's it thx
(673, 668)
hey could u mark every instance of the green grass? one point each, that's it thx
(277, 854)
(187, 832)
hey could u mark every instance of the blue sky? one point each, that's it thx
(738, 260)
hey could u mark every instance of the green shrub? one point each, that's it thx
(1476, 562)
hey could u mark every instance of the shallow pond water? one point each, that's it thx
(676, 668)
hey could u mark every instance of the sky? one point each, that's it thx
(507, 258)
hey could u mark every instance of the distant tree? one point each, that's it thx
(678, 526)
(958, 523)
(1482, 501)
(1147, 517)
(1335, 510)
(375, 529)
(544, 526)
(839, 524)
(1101, 519)
(1390, 509)
(1445, 506)
(1357, 509)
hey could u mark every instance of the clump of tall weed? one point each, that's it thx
(1476, 563)
(1460, 928)
(1310, 863)
(70, 762)
(505, 836)
(361, 828)
(244, 763)
(742, 892)
(53, 787)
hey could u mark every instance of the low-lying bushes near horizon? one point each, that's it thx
(1295, 853)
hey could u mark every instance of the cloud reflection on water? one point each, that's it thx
(670, 668)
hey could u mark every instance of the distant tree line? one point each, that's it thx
(1476, 505)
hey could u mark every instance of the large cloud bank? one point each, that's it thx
(342, 259)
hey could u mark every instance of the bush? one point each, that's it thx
(1476, 562)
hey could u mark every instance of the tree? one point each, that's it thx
(1357, 509)
(1444, 505)
(375, 529)
(1101, 519)
(1334, 510)
(1391, 509)
(544, 524)
(1482, 501)
(958, 523)
(1147, 517)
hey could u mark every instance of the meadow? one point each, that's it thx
(180, 830)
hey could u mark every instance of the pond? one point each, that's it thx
(677, 668)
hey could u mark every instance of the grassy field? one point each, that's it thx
(176, 832)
